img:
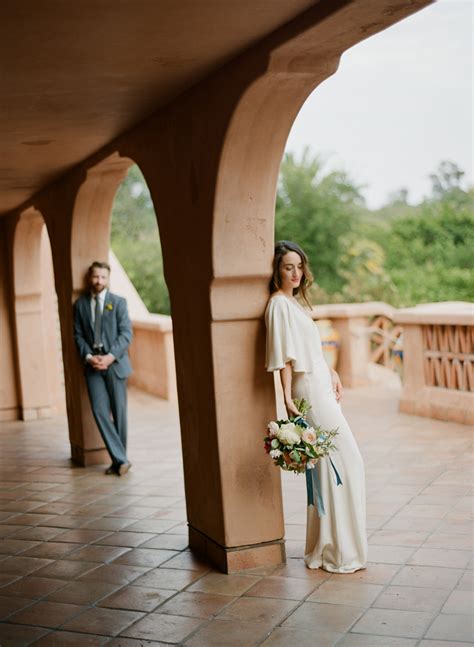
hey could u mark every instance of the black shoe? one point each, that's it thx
(123, 468)
(111, 470)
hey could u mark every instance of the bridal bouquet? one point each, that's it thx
(294, 445)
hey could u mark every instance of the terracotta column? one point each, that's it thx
(30, 330)
(89, 241)
(9, 396)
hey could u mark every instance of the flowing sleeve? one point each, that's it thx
(282, 343)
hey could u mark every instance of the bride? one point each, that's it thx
(336, 541)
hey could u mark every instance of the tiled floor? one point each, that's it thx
(89, 559)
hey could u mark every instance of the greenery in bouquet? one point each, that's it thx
(296, 446)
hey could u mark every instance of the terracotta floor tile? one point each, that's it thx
(105, 622)
(8, 530)
(82, 535)
(440, 557)
(460, 601)
(23, 565)
(167, 578)
(108, 523)
(38, 533)
(28, 519)
(46, 614)
(65, 569)
(10, 604)
(167, 542)
(466, 583)
(152, 525)
(169, 629)
(289, 588)
(16, 546)
(121, 641)
(225, 633)
(373, 574)
(52, 550)
(64, 638)
(195, 605)
(285, 636)
(397, 538)
(428, 576)
(297, 568)
(32, 587)
(187, 561)
(364, 640)
(67, 521)
(411, 598)
(82, 592)
(19, 506)
(145, 557)
(264, 611)
(7, 578)
(96, 553)
(389, 554)
(125, 538)
(136, 598)
(114, 573)
(452, 627)
(389, 622)
(357, 594)
(449, 541)
(336, 618)
(54, 508)
(12, 635)
(412, 523)
(224, 584)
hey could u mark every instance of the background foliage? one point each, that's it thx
(401, 253)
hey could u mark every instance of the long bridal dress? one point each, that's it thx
(335, 541)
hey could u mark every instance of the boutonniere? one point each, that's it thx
(109, 306)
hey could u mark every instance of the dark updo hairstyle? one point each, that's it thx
(282, 247)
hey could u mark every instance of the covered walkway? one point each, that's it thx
(89, 559)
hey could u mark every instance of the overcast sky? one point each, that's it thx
(400, 103)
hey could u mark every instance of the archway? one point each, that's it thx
(40, 368)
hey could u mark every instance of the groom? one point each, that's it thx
(103, 332)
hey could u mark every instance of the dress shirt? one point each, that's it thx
(101, 296)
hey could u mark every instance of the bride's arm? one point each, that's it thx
(286, 375)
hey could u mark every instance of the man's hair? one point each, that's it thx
(98, 264)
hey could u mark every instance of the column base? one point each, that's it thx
(86, 457)
(240, 558)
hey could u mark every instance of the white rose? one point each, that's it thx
(273, 429)
(275, 453)
(288, 434)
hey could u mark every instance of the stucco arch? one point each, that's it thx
(90, 234)
(36, 319)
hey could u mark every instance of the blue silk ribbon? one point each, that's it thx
(313, 483)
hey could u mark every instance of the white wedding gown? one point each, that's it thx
(335, 541)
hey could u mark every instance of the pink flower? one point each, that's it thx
(309, 436)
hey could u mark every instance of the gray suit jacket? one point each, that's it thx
(116, 331)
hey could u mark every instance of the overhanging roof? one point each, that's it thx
(74, 75)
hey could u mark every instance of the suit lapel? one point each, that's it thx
(87, 311)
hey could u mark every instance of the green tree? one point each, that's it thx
(136, 242)
(317, 211)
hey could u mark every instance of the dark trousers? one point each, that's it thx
(108, 396)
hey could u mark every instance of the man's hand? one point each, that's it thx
(101, 362)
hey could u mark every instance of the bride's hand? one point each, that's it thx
(336, 385)
(291, 409)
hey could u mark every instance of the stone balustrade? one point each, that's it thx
(438, 371)
(152, 356)
(366, 334)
